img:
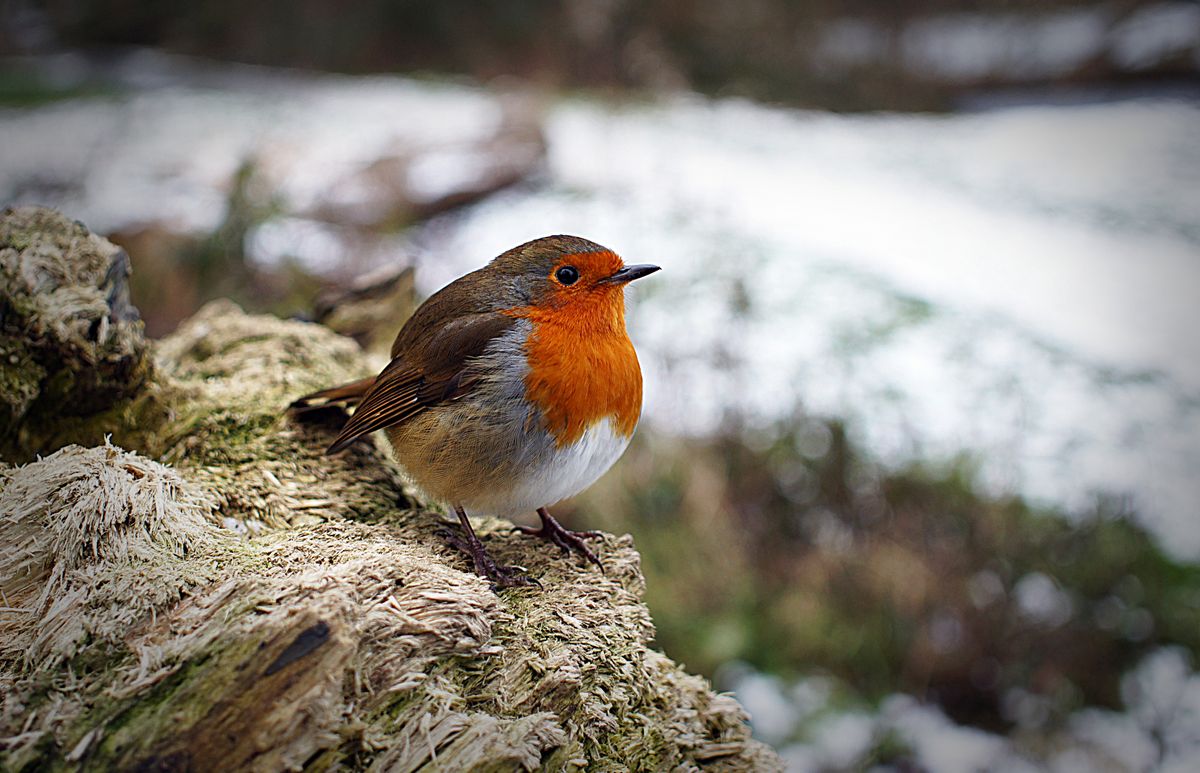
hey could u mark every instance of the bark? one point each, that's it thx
(206, 590)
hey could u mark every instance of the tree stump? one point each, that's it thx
(190, 584)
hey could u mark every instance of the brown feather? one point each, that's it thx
(428, 369)
(348, 394)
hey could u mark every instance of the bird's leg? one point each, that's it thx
(554, 532)
(485, 565)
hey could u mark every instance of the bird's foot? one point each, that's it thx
(500, 575)
(569, 541)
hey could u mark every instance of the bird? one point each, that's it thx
(512, 388)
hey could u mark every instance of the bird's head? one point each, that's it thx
(566, 274)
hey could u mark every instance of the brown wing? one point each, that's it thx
(347, 394)
(428, 368)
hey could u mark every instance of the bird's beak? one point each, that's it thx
(630, 273)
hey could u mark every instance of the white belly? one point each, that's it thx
(562, 473)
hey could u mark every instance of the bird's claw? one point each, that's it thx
(568, 541)
(485, 566)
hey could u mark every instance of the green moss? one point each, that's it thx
(167, 709)
(42, 756)
(20, 381)
(222, 436)
(137, 424)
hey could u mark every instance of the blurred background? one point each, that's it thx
(917, 477)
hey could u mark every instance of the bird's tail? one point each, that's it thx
(345, 394)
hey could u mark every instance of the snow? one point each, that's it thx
(168, 153)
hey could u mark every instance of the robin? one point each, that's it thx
(510, 389)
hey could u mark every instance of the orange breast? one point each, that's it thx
(582, 366)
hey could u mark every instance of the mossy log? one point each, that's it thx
(203, 589)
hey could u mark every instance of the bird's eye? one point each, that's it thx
(567, 275)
